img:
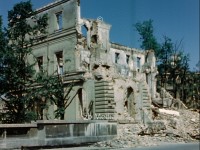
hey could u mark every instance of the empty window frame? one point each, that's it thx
(59, 59)
(40, 63)
(127, 59)
(116, 58)
(84, 30)
(59, 20)
(138, 63)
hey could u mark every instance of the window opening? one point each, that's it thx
(59, 57)
(127, 59)
(116, 58)
(84, 30)
(138, 63)
(94, 39)
(40, 63)
(59, 21)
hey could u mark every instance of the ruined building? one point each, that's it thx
(111, 81)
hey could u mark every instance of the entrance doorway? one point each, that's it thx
(82, 103)
(130, 102)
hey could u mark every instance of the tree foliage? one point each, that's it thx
(164, 58)
(18, 73)
(28, 93)
(2, 51)
(172, 62)
(52, 89)
(146, 31)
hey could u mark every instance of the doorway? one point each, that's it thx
(130, 102)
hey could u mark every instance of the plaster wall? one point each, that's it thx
(97, 58)
(68, 9)
(63, 40)
(132, 58)
(48, 51)
(120, 94)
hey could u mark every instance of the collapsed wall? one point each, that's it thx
(109, 79)
(120, 74)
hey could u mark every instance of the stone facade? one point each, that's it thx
(111, 81)
(55, 133)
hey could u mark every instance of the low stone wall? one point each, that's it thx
(55, 133)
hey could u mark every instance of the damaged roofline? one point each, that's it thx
(53, 4)
(126, 48)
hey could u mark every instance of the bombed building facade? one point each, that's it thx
(111, 81)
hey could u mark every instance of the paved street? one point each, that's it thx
(190, 146)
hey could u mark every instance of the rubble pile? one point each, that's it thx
(166, 128)
(187, 125)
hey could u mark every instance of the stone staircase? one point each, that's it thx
(104, 100)
(146, 102)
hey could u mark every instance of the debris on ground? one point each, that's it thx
(165, 128)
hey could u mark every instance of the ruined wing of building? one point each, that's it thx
(112, 82)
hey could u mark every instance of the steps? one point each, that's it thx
(104, 99)
(146, 99)
(146, 103)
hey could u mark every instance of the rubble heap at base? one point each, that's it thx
(176, 129)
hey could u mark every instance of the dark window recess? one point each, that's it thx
(59, 21)
(116, 58)
(40, 63)
(94, 39)
(59, 57)
(138, 63)
(127, 59)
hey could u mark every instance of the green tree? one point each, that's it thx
(178, 69)
(146, 32)
(164, 58)
(18, 73)
(185, 70)
(2, 39)
(197, 69)
(53, 89)
(173, 65)
(2, 50)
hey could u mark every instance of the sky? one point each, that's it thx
(176, 19)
